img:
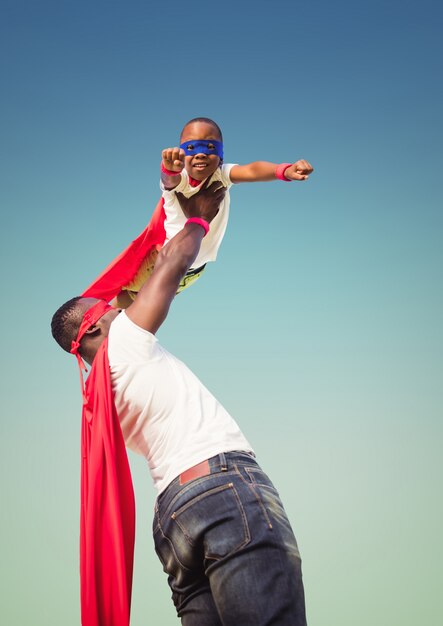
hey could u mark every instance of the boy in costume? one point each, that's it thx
(185, 170)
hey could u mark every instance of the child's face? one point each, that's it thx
(200, 166)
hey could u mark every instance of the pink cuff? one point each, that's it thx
(280, 172)
(201, 222)
(168, 172)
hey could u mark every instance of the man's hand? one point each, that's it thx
(205, 203)
(299, 170)
(152, 304)
(173, 159)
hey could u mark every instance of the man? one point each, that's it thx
(220, 529)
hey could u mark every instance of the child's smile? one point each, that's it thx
(200, 166)
(199, 169)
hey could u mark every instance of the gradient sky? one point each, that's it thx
(320, 325)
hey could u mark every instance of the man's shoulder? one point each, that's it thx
(128, 342)
(123, 324)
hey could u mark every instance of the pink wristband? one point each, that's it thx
(201, 222)
(280, 172)
(169, 172)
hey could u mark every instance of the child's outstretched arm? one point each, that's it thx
(264, 171)
(173, 161)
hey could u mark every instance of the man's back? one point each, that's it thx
(166, 413)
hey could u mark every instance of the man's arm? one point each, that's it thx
(260, 171)
(151, 306)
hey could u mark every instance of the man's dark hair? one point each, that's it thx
(206, 120)
(65, 323)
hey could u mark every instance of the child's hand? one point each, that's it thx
(173, 159)
(299, 170)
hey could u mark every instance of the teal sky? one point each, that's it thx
(319, 327)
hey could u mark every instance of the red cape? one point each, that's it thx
(123, 268)
(107, 525)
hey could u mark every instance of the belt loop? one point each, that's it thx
(223, 465)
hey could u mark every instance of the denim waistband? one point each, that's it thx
(222, 462)
(227, 460)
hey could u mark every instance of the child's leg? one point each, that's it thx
(190, 277)
(129, 291)
(123, 300)
(144, 272)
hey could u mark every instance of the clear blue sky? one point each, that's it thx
(319, 327)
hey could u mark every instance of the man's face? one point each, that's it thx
(200, 166)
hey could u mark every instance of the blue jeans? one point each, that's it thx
(228, 548)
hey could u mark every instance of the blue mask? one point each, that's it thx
(201, 146)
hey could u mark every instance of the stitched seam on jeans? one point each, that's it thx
(200, 497)
(254, 473)
(171, 545)
(193, 483)
(216, 557)
(155, 521)
(191, 503)
(251, 486)
(213, 491)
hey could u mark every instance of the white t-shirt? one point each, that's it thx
(165, 412)
(175, 218)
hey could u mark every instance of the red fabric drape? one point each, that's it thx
(124, 267)
(107, 526)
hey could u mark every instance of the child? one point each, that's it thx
(184, 170)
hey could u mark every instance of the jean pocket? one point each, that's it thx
(258, 477)
(213, 523)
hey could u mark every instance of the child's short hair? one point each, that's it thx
(206, 120)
